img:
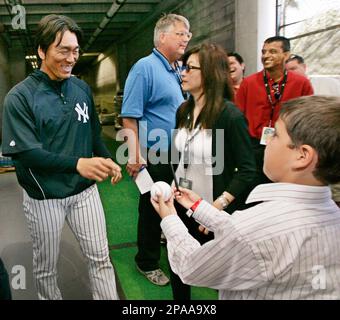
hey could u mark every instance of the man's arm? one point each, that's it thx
(136, 160)
(136, 96)
(226, 262)
(97, 169)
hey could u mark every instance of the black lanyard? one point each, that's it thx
(277, 99)
(186, 154)
(178, 71)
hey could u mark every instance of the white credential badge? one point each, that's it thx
(267, 133)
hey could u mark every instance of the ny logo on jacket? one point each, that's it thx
(82, 112)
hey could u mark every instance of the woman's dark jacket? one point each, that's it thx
(237, 160)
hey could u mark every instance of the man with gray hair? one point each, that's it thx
(152, 95)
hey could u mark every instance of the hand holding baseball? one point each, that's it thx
(161, 188)
(162, 199)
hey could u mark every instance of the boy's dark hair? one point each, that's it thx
(284, 42)
(50, 25)
(299, 59)
(315, 121)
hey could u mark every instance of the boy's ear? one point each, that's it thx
(306, 156)
(286, 55)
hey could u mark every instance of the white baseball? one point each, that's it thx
(161, 188)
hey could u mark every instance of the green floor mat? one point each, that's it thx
(134, 284)
(137, 287)
(120, 204)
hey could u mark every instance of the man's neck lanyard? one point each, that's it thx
(178, 71)
(278, 94)
(177, 68)
(186, 154)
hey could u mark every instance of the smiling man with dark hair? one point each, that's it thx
(260, 95)
(52, 132)
(237, 69)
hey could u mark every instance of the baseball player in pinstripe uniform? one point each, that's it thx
(52, 132)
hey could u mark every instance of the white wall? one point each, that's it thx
(246, 32)
(266, 22)
(255, 22)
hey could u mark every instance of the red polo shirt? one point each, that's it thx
(253, 101)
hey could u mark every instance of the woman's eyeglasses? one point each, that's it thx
(188, 68)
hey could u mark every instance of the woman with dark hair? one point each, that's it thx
(216, 157)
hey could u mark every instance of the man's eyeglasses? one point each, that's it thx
(188, 67)
(188, 35)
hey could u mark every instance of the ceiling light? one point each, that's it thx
(90, 54)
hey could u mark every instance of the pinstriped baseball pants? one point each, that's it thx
(85, 215)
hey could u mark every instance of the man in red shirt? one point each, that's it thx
(237, 69)
(261, 94)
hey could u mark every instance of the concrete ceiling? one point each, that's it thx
(104, 22)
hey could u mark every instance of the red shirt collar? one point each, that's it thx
(271, 81)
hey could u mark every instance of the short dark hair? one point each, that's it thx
(237, 57)
(299, 59)
(314, 120)
(50, 25)
(284, 41)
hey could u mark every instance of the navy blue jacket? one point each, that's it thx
(59, 118)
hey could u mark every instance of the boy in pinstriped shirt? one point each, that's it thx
(286, 247)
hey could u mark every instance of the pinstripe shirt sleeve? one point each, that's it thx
(227, 262)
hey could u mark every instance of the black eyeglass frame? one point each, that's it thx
(188, 68)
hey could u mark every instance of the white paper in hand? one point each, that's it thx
(144, 181)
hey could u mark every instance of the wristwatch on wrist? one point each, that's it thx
(223, 200)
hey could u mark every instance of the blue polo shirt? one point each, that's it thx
(152, 95)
